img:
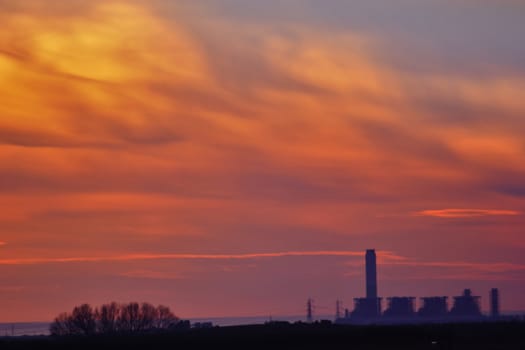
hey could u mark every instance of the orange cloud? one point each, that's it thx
(94, 66)
(466, 213)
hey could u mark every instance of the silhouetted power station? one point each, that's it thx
(402, 309)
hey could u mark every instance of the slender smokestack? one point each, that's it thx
(371, 274)
(494, 302)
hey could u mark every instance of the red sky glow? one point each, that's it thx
(234, 158)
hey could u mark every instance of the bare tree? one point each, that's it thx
(165, 318)
(148, 315)
(61, 325)
(83, 319)
(129, 317)
(107, 317)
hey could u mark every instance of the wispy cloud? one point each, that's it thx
(485, 267)
(138, 257)
(465, 213)
(413, 269)
(150, 274)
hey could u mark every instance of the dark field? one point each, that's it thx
(300, 336)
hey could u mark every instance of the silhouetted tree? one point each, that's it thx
(83, 319)
(129, 317)
(107, 317)
(113, 317)
(165, 318)
(147, 317)
(61, 325)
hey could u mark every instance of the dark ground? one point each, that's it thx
(508, 336)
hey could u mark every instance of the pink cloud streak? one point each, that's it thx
(446, 270)
(465, 213)
(485, 267)
(137, 257)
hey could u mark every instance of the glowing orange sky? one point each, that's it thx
(228, 160)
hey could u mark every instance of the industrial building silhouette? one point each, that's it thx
(465, 308)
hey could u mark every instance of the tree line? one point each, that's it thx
(114, 318)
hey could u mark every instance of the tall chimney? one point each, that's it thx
(494, 303)
(371, 274)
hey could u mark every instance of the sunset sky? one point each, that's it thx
(236, 157)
